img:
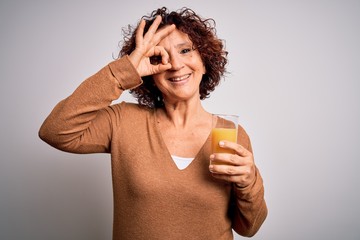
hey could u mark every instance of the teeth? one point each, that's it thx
(177, 79)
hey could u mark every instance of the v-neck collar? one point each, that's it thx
(167, 155)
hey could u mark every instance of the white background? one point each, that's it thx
(294, 78)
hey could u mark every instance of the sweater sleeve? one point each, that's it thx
(251, 209)
(81, 123)
(249, 206)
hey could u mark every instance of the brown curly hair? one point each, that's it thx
(201, 32)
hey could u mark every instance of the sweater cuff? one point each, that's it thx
(252, 190)
(125, 73)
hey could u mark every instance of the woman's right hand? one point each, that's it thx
(146, 47)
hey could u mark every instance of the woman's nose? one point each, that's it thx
(176, 62)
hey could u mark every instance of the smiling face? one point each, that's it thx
(181, 82)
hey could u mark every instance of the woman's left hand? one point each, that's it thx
(238, 168)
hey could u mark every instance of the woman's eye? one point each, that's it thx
(155, 60)
(186, 50)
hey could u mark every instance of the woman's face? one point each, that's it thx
(181, 82)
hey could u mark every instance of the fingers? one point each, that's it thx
(165, 31)
(240, 150)
(147, 44)
(225, 158)
(153, 35)
(241, 175)
(239, 180)
(222, 161)
(228, 169)
(164, 55)
(159, 34)
(147, 57)
(238, 167)
(162, 67)
(153, 28)
(140, 32)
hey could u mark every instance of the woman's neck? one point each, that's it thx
(182, 114)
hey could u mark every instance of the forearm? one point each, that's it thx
(72, 117)
(250, 207)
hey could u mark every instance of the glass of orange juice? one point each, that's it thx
(225, 127)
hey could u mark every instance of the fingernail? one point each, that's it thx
(221, 143)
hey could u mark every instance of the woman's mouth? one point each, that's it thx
(180, 78)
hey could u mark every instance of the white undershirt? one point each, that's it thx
(181, 162)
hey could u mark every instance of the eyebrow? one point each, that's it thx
(190, 44)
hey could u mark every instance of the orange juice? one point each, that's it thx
(219, 134)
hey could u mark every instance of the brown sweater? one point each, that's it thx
(153, 199)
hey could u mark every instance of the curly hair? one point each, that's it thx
(201, 32)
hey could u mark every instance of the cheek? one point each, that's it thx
(201, 69)
(159, 82)
(198, 64)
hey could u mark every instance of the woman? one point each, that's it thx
(170, 62)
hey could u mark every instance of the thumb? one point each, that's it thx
(162, 67)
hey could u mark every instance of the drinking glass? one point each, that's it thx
(225, 127)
